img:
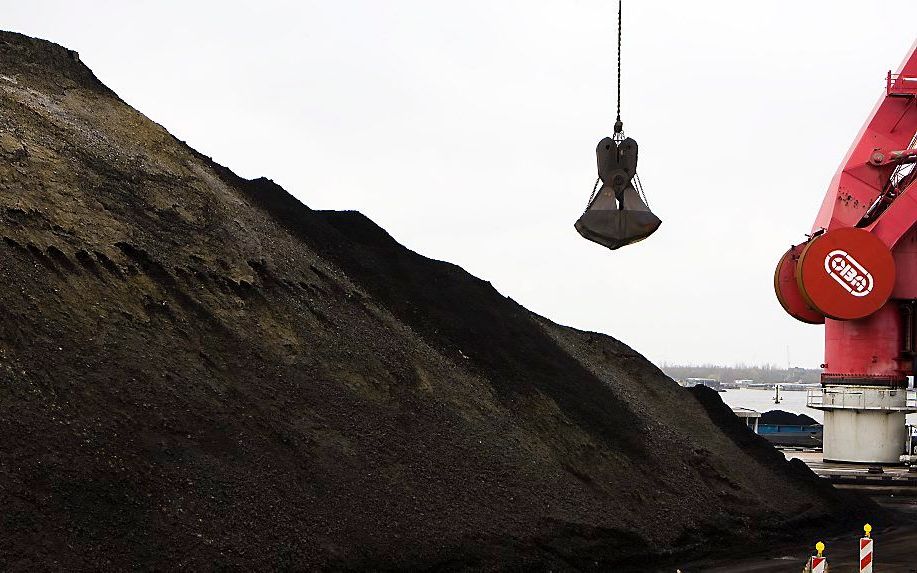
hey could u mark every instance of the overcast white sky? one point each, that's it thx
(468, 129)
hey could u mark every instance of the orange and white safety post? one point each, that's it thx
(817, 563)
(866, 550)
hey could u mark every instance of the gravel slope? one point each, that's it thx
(198, 371)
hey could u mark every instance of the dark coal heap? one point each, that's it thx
(197, 371)
(782, 418)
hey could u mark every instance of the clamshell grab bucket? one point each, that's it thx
(604, 223)
(616, 215)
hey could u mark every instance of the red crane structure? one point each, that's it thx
(857, 274)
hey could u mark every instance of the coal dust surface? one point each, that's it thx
(197, 371)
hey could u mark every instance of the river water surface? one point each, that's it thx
(763, 400)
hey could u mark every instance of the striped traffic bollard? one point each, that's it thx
(817, 563)
(866, 551)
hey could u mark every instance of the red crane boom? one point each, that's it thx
(857, 271)
(868, 337)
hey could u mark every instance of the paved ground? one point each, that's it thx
(895, 550)
(891, 480)
(895, 547)
(814, 460)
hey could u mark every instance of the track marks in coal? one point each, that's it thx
(192, 288)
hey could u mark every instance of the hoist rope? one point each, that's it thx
(618, 135)
(618, 125)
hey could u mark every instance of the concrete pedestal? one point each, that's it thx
(863, 424)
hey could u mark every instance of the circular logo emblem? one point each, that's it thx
(846, 274)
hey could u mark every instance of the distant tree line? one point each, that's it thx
(762, 374)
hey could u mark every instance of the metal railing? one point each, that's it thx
(837, 398)
(896, 84)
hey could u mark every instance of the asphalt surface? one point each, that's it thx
(895, 549)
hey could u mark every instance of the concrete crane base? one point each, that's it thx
(863, 424)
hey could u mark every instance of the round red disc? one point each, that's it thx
(787, 289)
(846, 273)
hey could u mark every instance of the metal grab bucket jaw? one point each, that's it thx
(605, 223)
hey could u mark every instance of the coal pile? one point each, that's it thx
(782, 418)
(198, 371)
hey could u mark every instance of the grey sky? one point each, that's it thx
(467, 130)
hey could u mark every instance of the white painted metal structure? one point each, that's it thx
(750, 417)
(863, 424)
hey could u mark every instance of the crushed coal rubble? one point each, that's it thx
(197, 371)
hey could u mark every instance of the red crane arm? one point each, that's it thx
(857, 272)
(863, 180)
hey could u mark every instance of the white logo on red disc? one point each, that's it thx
(848, 273)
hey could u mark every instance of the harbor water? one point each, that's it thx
(790, 401)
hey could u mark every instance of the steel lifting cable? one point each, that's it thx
(619, 126)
